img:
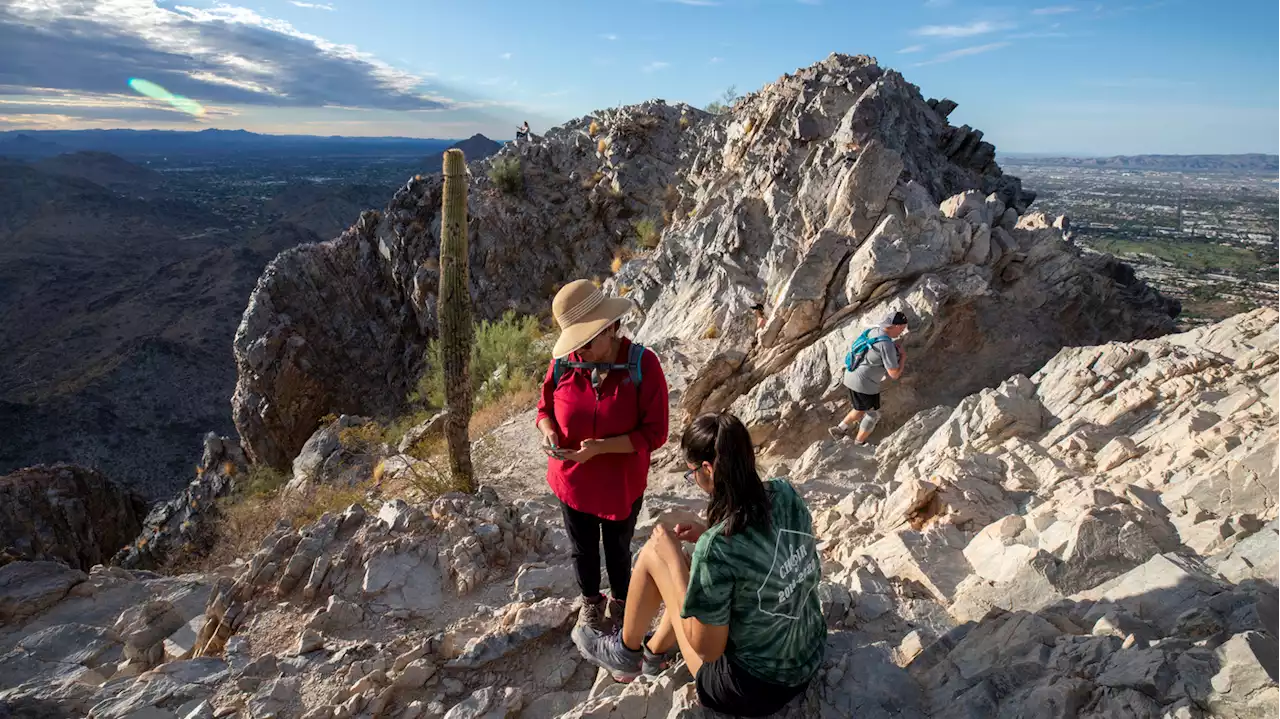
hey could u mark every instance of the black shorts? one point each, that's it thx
(724, 687)
(863, 402)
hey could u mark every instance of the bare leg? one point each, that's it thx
(654, 581)
(664, 637)
(854, 417)
(862, 436)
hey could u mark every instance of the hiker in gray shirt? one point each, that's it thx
(874, 357)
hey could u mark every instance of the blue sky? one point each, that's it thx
(1175, 76)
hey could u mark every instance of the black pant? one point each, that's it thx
(585, 532)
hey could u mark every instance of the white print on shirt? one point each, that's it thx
(799, 562)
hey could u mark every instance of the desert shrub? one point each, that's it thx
(684, 122)
(508, 354)
(593, 129)
(602, 145)
(506, 175)
(711, 333)
(261, 481)
(725, 102)
(646, 233)
(362, 439)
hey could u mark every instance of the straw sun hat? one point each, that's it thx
(582, 311)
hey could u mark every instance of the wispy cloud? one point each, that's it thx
(979, 27)
(505, 56)
(715, 60)
(963, 52)
(910, 49)
(312, 5)
(1037, 34)
(655, 66)
(1054, 10)
(219, 55)
(610, 37)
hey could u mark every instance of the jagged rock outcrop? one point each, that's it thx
(65, 513)
(184, 525)
(819, 194)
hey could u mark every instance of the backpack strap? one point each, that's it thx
(861, 346)
(634, 366)
(635, 360)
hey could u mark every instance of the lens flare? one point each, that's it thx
(155, 92)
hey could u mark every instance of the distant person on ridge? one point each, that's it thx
(744, 611)
(874, 356)
(522, 133)
(602, 412)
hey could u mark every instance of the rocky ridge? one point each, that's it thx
(831, 194)
(1096, 540)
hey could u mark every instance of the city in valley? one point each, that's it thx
(1205, 235)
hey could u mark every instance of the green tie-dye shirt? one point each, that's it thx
(763, 584)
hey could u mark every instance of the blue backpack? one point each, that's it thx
(632, 366)
(861, 346)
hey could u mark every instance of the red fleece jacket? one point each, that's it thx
(607, 484)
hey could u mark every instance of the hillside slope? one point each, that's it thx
(114, 317)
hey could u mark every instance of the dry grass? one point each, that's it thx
(593, 129)
(620, 258)
(751, 123)
(711, 333)
(245, 519)
(602, 145)
(684, 123)
(488, 417)
(593, 180)
(624, 290)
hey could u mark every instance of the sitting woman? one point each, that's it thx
(750, 627)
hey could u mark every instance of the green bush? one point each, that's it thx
(261, 481)
(506, 175)
(647, 233)
(508, 354)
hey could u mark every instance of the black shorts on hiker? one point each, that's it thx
(724, 687)
(863, 402)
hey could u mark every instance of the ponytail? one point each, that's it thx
(738, 497)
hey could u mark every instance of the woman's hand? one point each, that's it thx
(551, 440)
(690, 531)
(590, 448)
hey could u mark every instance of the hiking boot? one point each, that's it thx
(616, 609)
(837, 432)
(865, 443)
(591, 613)
(655, 664)
(607, 651)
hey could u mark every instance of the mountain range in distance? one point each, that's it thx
(151, 144)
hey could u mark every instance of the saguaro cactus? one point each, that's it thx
(454, 311)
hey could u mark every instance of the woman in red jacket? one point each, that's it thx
(599, 429)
